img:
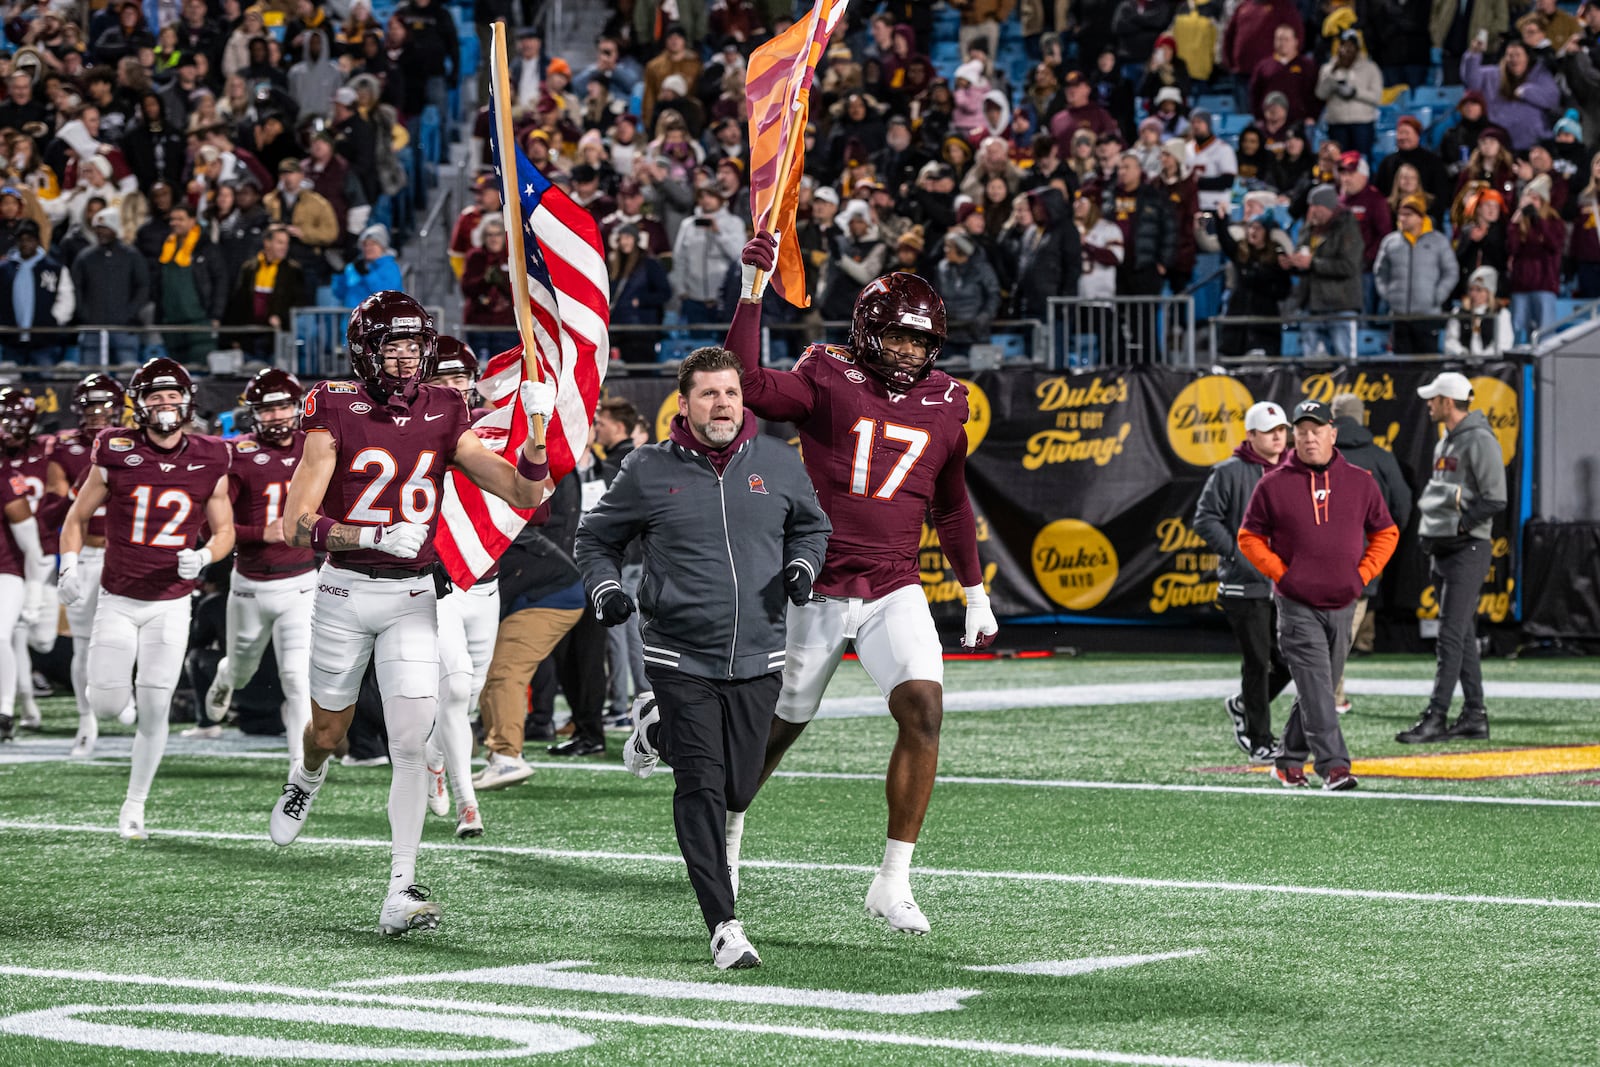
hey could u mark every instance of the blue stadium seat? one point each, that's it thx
(1291, 341)
(1012, 345)
(1384, 146)
(946, 57)
(469, 55)
(1438, 97)
(1216, 103)
(675, 349)
(1372, 342)
(1565, 307)
(1229, 126)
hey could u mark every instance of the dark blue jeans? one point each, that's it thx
(1356, 136)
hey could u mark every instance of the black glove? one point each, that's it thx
(797, 583)
(612, 606)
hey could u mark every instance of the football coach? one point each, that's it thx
(732, 532)
(1318, 527)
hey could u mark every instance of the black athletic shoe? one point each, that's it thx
(1471, 726)
(1431, 727)
(7, 722)
(577, 747)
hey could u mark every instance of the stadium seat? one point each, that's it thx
(469, 55)
(675, 349)
(1384, 146)
(1370, 342)
(636, 100)
(1012, 345)
(1230, 126)
(1566, 307)
(1438, 97)
(1216, 103)
(1291, 341)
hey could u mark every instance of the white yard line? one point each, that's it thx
(569, 1015)
(1040, 877)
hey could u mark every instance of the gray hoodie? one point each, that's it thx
(313, 81)
(1468, 486)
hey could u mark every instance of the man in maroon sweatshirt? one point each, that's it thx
(1318, 527)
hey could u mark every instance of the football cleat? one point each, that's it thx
(30, 719)
(289, 813)
(130, 821)
(438, 794)
(503, 771)
(203, 733)
(731, 949)
(82, 748)
(408, 909)
(470, 824)
(7, 727)
(638, 754)
(219, 696)
(894, 903)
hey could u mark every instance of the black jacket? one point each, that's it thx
(715, 548)
(1356, 444)
(113, 284)
(1218, 516)
(1155, 232)
(1052, 267)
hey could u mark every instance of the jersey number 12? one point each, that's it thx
(865, 432)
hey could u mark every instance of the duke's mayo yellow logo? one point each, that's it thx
(1498, 402)
(978, 414)
(1191, 580)
(1088, 427)
(664, 417)
(1206, 422)
(1074, 564)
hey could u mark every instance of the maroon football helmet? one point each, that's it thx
(98, 401)
(383, 317)
(271, 388)
(455, 357)
(18, 414)
(155, 375)
(902, 301)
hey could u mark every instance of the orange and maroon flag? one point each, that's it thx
(778, 88)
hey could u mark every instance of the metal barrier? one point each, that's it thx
(315, 346)
(220, 347)
(1005, 341)
(1122, 330)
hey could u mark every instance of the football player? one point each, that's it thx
(367, 492)
(159, 485)
(270, 597)
(23, 564)
(25, 454)
(883, 436)
(97, 401)
(468, 623)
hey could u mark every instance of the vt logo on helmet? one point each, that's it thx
(905, 310)
(390, 318)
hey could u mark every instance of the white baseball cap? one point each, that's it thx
(1450, 384)
(1265, 416)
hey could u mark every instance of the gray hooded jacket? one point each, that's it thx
(314, 80)
(1468, 486)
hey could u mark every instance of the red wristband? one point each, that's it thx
(533, 472)
(319, 532)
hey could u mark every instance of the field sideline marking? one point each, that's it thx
(1049, 877)
(567, 1014)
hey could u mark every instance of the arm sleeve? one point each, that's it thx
(1254, 548)
(26, 536)
(1490, 476)
(1211, 518)
(1380, 547)
(604, 532)
(806, 528)
(953, 518)
(783, 396)
(1542, 93)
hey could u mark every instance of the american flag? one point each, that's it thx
(569, 294)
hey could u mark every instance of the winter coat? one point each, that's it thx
(239, 237)
(851, 264)
(54, 300)
(1150, 234)
(487, 288)
(288, 293)
(971, 294)
(1296, 79)
(1415, 276)
(1535, 254)
(1526, 117)
(1137, 23)
(1217, 517)
(205, 273)
(1214, 165)
(1248, 39)
(112, 283)
(1372, 215)
(1047, 257)
(1467, 488)
(1489, 16)
(701, 254)
(360, 279)
(1258, 286)
(1356, 444)
(1488, 335)
(638, 297)
(1351, 94)
(1102, 255)
(312, 82)
(1333, 282)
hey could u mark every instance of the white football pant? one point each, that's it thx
(469, 620)
(276, 610)
(152, 635)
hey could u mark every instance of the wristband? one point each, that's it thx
(369, 536)
(975, 594)
(532, 470)
(209, 560)
(320, 531)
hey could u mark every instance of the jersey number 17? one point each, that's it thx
(865, 431)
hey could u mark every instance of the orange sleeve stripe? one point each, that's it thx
(1380, 548)
(1255, 549)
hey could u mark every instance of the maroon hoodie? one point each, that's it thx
(1317, 522)
(719, 457)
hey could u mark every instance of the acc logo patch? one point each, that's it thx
(120, 444)
(135, 460)
(360, 407)
(757, 485)
(263, 458)
(855, 376)
(244, 448)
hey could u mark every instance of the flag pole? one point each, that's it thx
(797, 136)
(517, 260)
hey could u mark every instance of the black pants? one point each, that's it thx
(578, 665)
(714, 735)
(1415, 337)
(1262, 672)
(1459, 574)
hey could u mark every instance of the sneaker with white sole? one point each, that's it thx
(1343, 707)
(886, 900)
(220, 695)
(470, 824)
(731, 949)
(82, 748)
(130, 821)
(503, 771)
(30, 719)
(1234, 706)
(408, 909)
(438, 793)
(363, 761)
(294, 804)
(1266, 753)
(202, 733)
(639, 756)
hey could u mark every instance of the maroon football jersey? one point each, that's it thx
(258, 482)
(875, 458)
(32, 464)
(392, 460)
(13, 486)
(155, 507)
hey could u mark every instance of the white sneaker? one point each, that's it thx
(220, 695)
(408, 909)
(886, 900)
(1343, 707)
(130, 821)
(638, 756)
(289, 813)
(30, 718)
(129, 715)
(503, 771)
(371, 761)
(471, 823)
(438, 793)
(82, 748)
(731, 950)
(203, 733)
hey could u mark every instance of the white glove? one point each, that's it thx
(191, 561)
(403, 540)
(68, 590)
(32, 601)
(981, 625)
(538, 398)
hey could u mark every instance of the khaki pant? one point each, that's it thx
(524, 640)
(1355, 628)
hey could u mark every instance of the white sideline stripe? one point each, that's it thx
(1265, 791)
(1049, 877)
(815, 1033)
(1086, 965)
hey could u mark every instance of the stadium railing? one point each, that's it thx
(1121, 330)
(102, 346)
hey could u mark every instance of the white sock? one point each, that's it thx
(307, 778)
(296, 715)
(409, 720)
(451, 742)
(88, 725)
(896, 861)
(734, 835)
(149, 740)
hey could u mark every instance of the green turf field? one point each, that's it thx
(1173, 909)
